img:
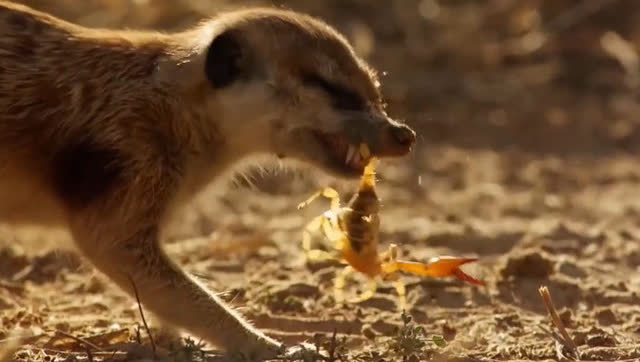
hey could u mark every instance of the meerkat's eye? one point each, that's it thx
(342, 97)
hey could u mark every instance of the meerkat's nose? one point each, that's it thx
(396, 139)
(403, 135)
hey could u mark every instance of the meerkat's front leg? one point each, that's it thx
(124, 245)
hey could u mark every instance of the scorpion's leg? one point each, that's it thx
(402, 292)
(331, 229)
(327, 192)
(313, 226)
(339, 283)
(389, 268)
(333, 232)
(328, 220)
(373, 286)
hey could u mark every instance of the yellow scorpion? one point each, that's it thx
(353, 230)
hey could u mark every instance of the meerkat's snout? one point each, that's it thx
(383, 136)
(403, 135)
(396, 140)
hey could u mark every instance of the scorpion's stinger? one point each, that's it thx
(458, 273)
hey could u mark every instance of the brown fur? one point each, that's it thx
(108, 132)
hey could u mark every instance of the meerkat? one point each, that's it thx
(107, 133)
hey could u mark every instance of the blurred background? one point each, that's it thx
(528, 119)
(539, 76)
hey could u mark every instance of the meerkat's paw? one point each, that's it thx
(256, 348)
(303, 352)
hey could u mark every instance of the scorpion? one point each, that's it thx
(353, 231)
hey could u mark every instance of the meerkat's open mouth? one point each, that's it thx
(343, 155)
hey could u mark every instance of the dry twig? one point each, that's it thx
(144, 321)
(566, 339)
(80, 340)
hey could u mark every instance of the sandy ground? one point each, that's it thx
(527, 159)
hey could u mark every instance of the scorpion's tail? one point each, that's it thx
(368, 179)
(443, 266)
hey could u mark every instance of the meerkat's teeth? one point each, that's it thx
(365, 152)
(351, 152)
(356, 160)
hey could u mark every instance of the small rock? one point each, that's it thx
(572, 270)
(505, 321)
(381, 303)
(449, 332)
(531, 263)
(301, 290)
(601, 340)
(368, 331)
(566, 316)
(94, 286)
(5, 303)
(63, 326)
(606, 317)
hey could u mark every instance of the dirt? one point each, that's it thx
(527, 119)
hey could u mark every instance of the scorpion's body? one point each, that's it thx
(360, 222)
(354, 231)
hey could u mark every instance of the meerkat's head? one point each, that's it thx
(285, 83)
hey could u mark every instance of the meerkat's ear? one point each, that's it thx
(222, 62)
(225, 60)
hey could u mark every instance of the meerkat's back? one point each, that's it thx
(65, 93)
